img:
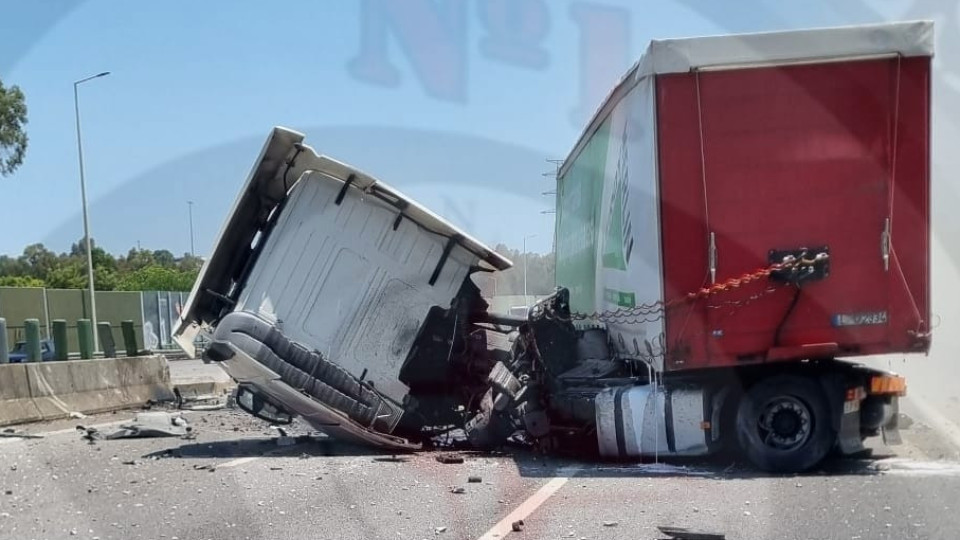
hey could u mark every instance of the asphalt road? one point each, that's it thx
(234, 481)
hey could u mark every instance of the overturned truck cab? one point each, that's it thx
(334, 297)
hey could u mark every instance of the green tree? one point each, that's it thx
(20, 281)
(157, 278)
(13, 137)
(39, 260)
(136, 259)
(164, 258)
(71, 273)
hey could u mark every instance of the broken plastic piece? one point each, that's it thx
(147, 424)
(449, 459)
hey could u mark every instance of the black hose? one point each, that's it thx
(786, 315)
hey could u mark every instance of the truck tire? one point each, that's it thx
(783, 424)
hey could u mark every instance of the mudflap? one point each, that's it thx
(848, 439)
(891, 430)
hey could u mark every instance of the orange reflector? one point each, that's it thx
(888, 384)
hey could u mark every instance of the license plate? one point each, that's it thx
(859, 319)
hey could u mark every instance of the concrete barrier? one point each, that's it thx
(51, 390)
(16, 403)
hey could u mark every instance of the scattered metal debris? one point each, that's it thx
(12, 433)
(145, 424)
(438, 530)
(517, 525)
(458, 490)
(680, 533)
(474, 480)
(131, 462)
(449, 459)
(610, 523)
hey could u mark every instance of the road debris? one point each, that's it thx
(680, 533)
(474, 480)
(458, 490)
(145, 424)
(449, 459)
(610, 523)
(77, 415)
(12, 433)
(438, 530)
(517, 525)
(206, 467)
(130, 462)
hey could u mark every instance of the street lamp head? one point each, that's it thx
(97, 76)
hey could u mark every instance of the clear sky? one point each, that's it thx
(459, 104)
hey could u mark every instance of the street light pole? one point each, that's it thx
(190, 206)
(83, 199)
(525, 300)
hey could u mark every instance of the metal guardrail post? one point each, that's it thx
(85, 338)
(4, 348)
(61, 345)
(129, 338)
(31, 332)
(106, 339)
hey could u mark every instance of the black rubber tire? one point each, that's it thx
(814, 448)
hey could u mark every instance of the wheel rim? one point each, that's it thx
(785, 423)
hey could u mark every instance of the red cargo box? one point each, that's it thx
(764, 146)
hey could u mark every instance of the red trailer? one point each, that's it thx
(755, 207)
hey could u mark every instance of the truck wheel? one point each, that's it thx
(783, 424)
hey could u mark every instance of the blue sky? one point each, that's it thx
(462, 117)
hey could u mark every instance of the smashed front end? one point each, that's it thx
(333, 297)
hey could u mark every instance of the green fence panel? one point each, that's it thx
(121, 306)
(18, 304)
(69, 305)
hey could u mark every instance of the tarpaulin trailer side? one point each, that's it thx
(714, 156)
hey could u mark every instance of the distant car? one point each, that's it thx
(19, 353)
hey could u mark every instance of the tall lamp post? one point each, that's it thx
(525, 300)
(83, 199)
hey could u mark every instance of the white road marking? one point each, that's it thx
(527, 507)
